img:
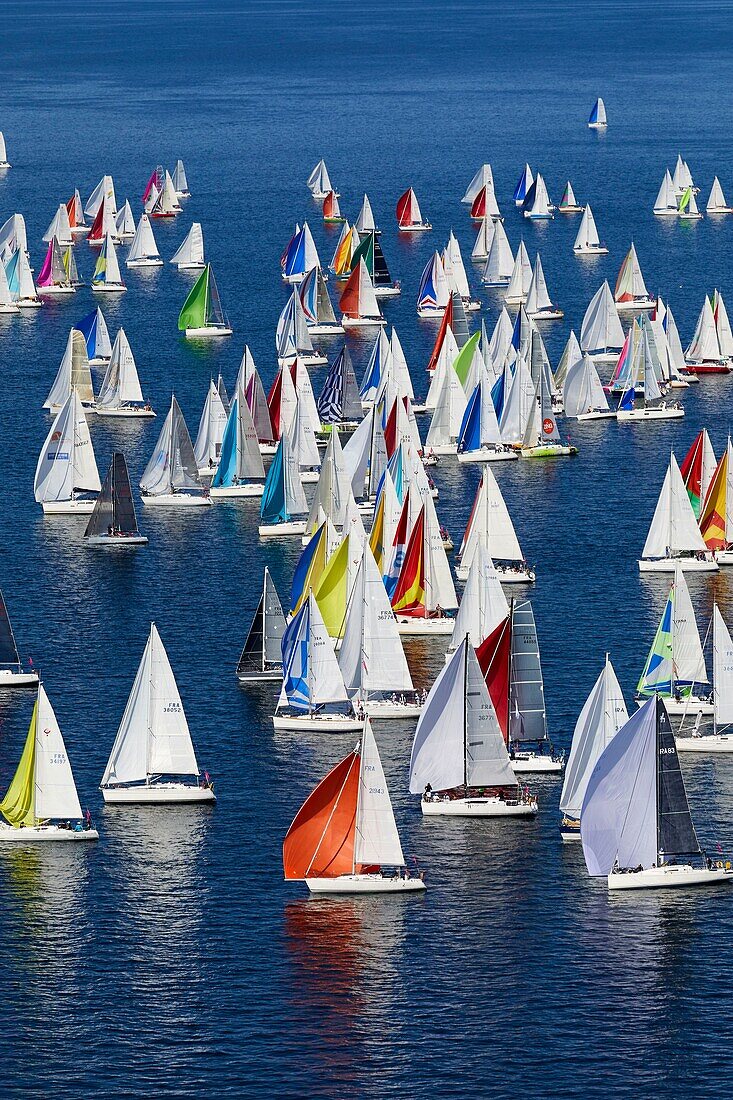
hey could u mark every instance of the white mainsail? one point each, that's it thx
(153, 738)
(73, 374)
(484, 604)
(521, 277)
(458, 740)
(704, 346)
(59, 227)
(66, 463)
(717, 203)
(587, 239)
(601, 329)
(371, 656)
(673, 529)
(484, 177)
(143, 245)
(172, 466)
(500, 260)
(212, 425)
(604, 713)
(538, 296)
(376, 840)
(666, 200)
(490, 526)
(121, 385)
(190, 252)
(583, 390)
(55, 795)
(722, 670)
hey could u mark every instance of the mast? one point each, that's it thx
(264, 616)
(465, 714)
(509, 679)
(150, 708)
(358, 752)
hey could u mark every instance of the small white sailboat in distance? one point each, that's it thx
(143, 250)
(120, 394)
(568, 203)
(4, 162)
(597, 119)
(113, 521)
(344, 838)
(261, 658)
(42, 803)
(674, 535)
(189, 256)
(153, 758)
(66, 471)
(73, 374)
(717, 203)
(604, 713)
(635, 821)
(459, 762)
(587, 242)
(721, 738)
(583, 395)
(180, 181)
(59, 227)
(12, 671)
(319, 181)
(107, 276)
(124, 224)
(171, 476)
(665, 204)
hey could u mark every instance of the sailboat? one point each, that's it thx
(171, 476)
(483, 176)
(107, 276)
(312, 679)
(704, 354)
(716, 511)
(53, 278)
(635, 820)
(568, 203)
(485, 205)
(344, 839)
(319, 181)
(153, 758)
(120, 394)
(665, 204)
(604, 713)
(300, 256)
(20, 281)
(675, 668)
(523, 185)
(42, 803)
(240, 472)
(537, 205)
(317, 308)
(698, 469)
(542, 435)
(94, 329)
(59, 227)
(597, 119)
(12, 671)
(339, 403)
(631, 294)
(587, 242)
(189, 256)
(4, 162)
(674, 535)
(365, 220)
(490, 528)
(143, 250)
(180, 181)
(371, 657)
(113, 521)
(212, 425)
(13, 236)
(459, 762)
(540, 306)
(7, 305)
(370, 251)
(409, 215)
(331, 210)
(73, 374)
(283, 498)
(682, 176)
(511, 666)
(601, 334)
(165, 204)
(500, 261)
(644, 370)
(124, 224)
(75, 212)
(479, 438)
(66, 466)
(484, 237)
(717, 202)
(358, 303)
(583, 395)
(202, 313)
(701, 740)
(455, 272)
(483, 606)
(521, 277)
(261, 657)
(687, 210)
(292, 335)
(424, 591)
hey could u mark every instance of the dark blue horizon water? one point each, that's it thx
(171, 959)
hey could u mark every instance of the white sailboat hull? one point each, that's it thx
(636, 306)
(279, 530)
(489, 454)
(53, 291)
(116, 541)
(9, 308)
(506, 576)
(68, 507)
(387, 291)
(667, 565)
(268, 675)
(668, 413)
(530, 763)
(148, 261)
(362, 322)
(11, 679)
(191, 267)
(706, 742)
(37, 833)
(207, 331)
(384, 709)
(477, 807)
(325, 330)
(421, 227)
(176, 500)
(598, 414)
(724, 557)
(109, 288)
(157, 794)
(364, 884)
(231, 492)
(681, 708)
(126, 412)
(661, 877)
(547, 315)
(324, 723)
(588, 251)
(428, 627)
(445, 449)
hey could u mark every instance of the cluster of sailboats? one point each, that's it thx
(345, 474)
(677, 196)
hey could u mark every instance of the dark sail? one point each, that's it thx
(459, 324)
(101, 521)
(252, 654)
(381, 275)
(8, 649)
(114, 510)
(527, 721)
(675, 831)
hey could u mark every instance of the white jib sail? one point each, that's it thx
(673, 528)
(687, 652)
(583, 390)
(376, 840)
(66, 462)
(55, 791)
(191, 250)
(722, 670)
(207, 447)
(484, 604)
(121, 383)
(371, 656)
(143, 245)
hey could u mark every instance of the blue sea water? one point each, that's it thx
(171, 959)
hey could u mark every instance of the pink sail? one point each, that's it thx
(46, 276)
